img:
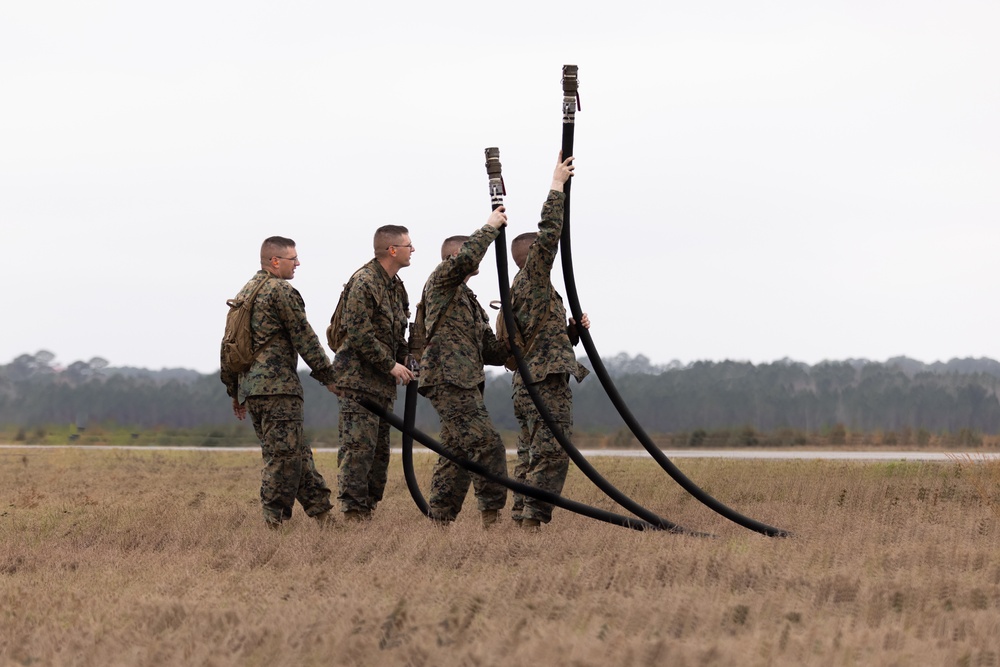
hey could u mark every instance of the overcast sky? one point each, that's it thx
(754, 180)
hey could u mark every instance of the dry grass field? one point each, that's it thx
(160, 558)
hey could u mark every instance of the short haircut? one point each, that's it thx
(385, 236)
(272, 247)
(451, 244)
(519, 246)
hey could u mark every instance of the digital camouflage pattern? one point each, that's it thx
(363, 457)
(541, 316)
(375, 316)
(463, 341)
(521, 466)
(279, 309)
(531, 295)
(289, 473)
(451, 370)
(541, 460)
(273, 395)
(466, 430)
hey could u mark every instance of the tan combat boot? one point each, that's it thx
(530, 525)
(490, 517)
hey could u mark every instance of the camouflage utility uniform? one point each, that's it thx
(374, 317)
(541, 318)
(451, 376)
(273, 396)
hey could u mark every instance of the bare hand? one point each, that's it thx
(332, 388)
(563, 172)
(497, 218)
(402, 374)
(239, 410)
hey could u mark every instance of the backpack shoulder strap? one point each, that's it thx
(236, 302)
(252, 299)
(444, 315)
(343, 292)
(530, 342)
(253, 295)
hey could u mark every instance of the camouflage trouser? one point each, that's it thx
(541, 461)
(289, 472)
(466, 430)
(363, 458)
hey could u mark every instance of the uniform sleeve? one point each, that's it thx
(453, 271)
(359, 312)
(402, 347)
(495, 353)
(531, 290)
(232, 382)
(542, 254)
(292, 310)
(473, 250)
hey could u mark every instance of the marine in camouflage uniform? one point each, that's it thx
(368, 365)
(541, 319)
(270, 390)
(452, 377)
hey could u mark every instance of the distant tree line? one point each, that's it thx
(857, 394)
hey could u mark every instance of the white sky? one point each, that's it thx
(754, 180)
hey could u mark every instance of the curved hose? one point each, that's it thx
(500, 247)
(570, 95)
(409, 421)
(514, 485)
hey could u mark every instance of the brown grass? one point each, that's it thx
(160, 558)
(982, 472)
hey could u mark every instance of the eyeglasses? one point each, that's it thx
(290, 259)
(408, 245)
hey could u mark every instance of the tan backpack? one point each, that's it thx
(238, 355)
(337, 332)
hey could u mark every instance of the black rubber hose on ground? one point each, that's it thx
(570, 96)
(407, 428)
(513, 485)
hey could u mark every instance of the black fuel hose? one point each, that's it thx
(409, 422)
(570, 98)
(514, 485)
(500, 246)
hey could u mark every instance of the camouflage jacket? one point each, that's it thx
(279, 311)
(530, 297)
(376, 314)
(463, 341)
